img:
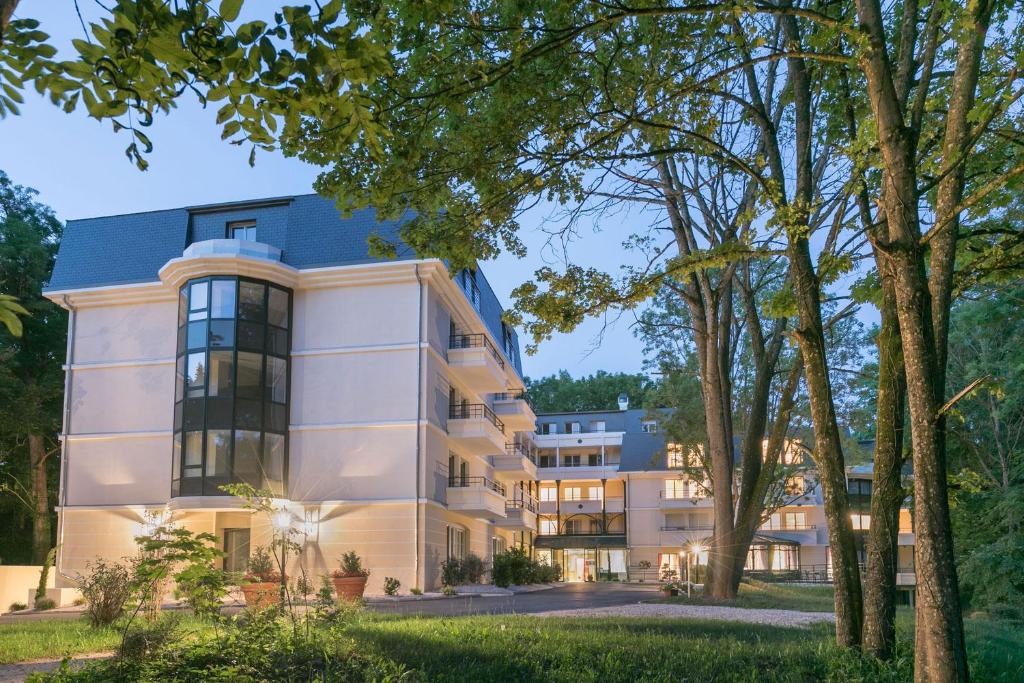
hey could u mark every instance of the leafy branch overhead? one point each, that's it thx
(265, 75)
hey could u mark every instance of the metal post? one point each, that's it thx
(558, 507)
(604, 508)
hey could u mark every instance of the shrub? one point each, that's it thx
(261, 567)
(472, 569)
(351, 566)
(515, 567)
(451, 572)
(78, 602)
(106, 589)
(448, 590)
(148, 639)
(17, 606)
(548, 573)
(44, 604)
(391, 585)
(415, 591)
(202, 587)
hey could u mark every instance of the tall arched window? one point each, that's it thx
(231, 386)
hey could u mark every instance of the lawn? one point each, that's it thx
(526, 648)
(763, 595)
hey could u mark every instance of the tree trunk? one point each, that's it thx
(720, 554)
(40, 499)
(887, 490)
(828, 452)
(6, 10)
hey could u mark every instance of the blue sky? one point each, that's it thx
(79, 168)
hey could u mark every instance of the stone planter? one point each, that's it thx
(261, 595)
(669, 591)
(349, 587)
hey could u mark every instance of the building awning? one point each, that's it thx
(581, 541)
(761, 539)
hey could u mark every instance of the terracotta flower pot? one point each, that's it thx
(668, 592)
(261, 595)
(349, 587)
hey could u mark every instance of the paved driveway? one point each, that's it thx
(569, 596)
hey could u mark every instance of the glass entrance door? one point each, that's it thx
(580, 564)
(236, 550)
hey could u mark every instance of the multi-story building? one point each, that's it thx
(380, 401)
(618, 501)
(260, 342)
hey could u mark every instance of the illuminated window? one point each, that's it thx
(458, 543)
(572, 493)
(861, 522)
(547, 493)
(548, 527)
(649, 426)
(677, 488)
(675, 455)
(795, 485)
(796, 520)
(595, 493)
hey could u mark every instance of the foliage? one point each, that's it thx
(202, 586)
(455, 571)
(261, 567)
(42, 604)
(451, 572)
(265, 74)
(10, 312)
(106, 587)
(472, 568)
(516, 567)
(17, 606)
(175, 552)
(415, 591)
(351, 565)
(448, 591)
(562, 393)
(44, 573)
(31, 374)
(391, 585)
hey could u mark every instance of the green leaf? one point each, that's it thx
(229, 9)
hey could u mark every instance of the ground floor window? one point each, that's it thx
(587, 564)
(669, 562)
(236, 550)
(458, 543)
(773, 557)
(497, 545)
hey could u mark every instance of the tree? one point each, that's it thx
(562, 393)
(987, 446)
(31, 376)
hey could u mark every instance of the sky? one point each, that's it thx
(79, 168)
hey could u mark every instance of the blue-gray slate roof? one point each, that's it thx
(308, 229)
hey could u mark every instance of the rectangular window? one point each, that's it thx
(277, 379)
(218, 452)
(549, 428)
(649, 426)
(573, 428)
(247, 457)
(250, 301)
(497, 545)
(594, 460)
(570, 461)
(677, 488)
(796, 520)
(674, 456)
(221, 373)
(548, 527)
(222, 300)
(193, 455)
(195, 379)
(597, 425)
(546, 461)
(249, 370)
(277, 307)
(774, 522)
(197, 300)
(242, 230)
(595, 493)
(572, 493)
(548, 493)
(457, 543)
(795, 485)
(273, 461)
(861, 522)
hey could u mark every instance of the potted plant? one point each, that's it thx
(261, 584)
(668, 576)
(350, 579)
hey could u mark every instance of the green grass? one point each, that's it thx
(525, 648)
(57, 638)
(762, 595)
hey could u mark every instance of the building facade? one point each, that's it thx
(259, 342)
(379, 401)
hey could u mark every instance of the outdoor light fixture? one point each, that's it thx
(281, 519)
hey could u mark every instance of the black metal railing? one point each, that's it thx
(791, 527)
(473, 341)
(471, 411)
(690, 527)
(525, 504)
(457, 481)
(513, 396)
(520, 450)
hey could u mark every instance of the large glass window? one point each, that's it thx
(231, 386)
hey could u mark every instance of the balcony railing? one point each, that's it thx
(471, 411)
(456, 481)
(791, 527)
(676, 495)
(690, 527)
(513, 396)
(471, 341)
(520, 450)
(525, 504)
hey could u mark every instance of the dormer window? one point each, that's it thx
(649, 426)
(242, 230)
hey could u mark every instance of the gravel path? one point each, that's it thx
(771, 617)
(15, 673)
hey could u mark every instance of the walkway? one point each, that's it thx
(771, 617)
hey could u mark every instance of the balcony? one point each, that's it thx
(515, 411)
(678, 501)
(475, 429)
(672, 535)
(520, 515)
(477, 363)
(584, 504)
(476, 496)
(518, 464)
